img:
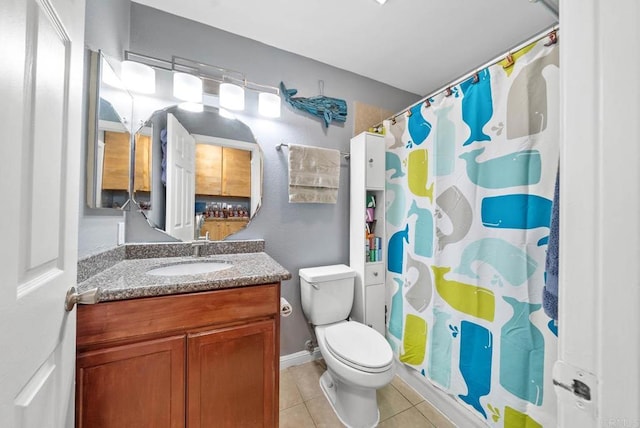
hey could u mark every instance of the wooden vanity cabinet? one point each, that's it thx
(142, 176)
(222, 171)
(234, 225)
(208, 169)
(208, 359)
(139, 384)
(221, 228)
(236, 172)
(227, 376)
(117, 149)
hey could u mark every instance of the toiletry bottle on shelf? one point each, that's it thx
(370, 215)
(367, 251)
(371, 201)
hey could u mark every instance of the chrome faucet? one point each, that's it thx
(199, 223)
(196, 244)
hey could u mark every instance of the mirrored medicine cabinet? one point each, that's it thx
(215, 200)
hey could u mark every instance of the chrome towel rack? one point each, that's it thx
(281, 145)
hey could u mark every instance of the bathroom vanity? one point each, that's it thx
(189, 350)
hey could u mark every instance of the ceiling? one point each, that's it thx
(415, 45)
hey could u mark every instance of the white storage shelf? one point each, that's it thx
(368, 179)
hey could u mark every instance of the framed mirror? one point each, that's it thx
(205, 173)
(108, 136)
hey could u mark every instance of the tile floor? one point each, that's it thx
(303, 405)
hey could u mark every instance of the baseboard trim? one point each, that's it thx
(298, 358)
(450, 408)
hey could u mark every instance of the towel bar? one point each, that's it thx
(279, 148)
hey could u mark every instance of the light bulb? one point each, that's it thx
(231, 96)
(269, 104)
(139, 77)
(187, 87)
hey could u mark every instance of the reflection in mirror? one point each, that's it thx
(109, 136)
(205, 173)
(143, 167)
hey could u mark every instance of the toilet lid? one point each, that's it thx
(358, 345)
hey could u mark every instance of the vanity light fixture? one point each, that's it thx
(269, 104)
(381, 1)
(187, 87)
(230, 85)
(138, 77)
(231, 96)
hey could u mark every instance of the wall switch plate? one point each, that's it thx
(121, 233)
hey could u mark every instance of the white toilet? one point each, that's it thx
(359, 359)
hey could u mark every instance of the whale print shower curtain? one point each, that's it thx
(470, 182)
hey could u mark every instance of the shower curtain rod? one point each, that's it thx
(546, 33)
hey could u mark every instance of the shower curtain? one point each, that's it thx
(470, 181)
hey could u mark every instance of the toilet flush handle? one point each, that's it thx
(314, 285)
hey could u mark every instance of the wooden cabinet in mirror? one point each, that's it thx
(110, 108)
(204, 173)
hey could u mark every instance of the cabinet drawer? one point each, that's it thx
(126, 319)
(374, 273)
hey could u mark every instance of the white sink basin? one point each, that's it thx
(190, 268)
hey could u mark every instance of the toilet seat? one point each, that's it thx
(359, 346)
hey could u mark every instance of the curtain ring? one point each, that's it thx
(553, 38)
(393, 120)
(427, 103)
(508, 61)
(409, 113)
(476, 78)
(448, 92)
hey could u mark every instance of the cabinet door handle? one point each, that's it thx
(371, 160)
(375, 274)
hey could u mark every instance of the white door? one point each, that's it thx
(181, 172)
(41, 46)
(599, 312)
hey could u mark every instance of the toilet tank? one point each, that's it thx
(326, 293)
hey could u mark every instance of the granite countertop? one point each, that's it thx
(128, 279)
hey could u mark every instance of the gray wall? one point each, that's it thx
(296, 235)
(107, 28)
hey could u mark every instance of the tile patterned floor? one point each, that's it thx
(303, 405)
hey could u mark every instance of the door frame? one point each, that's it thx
(599, 213)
